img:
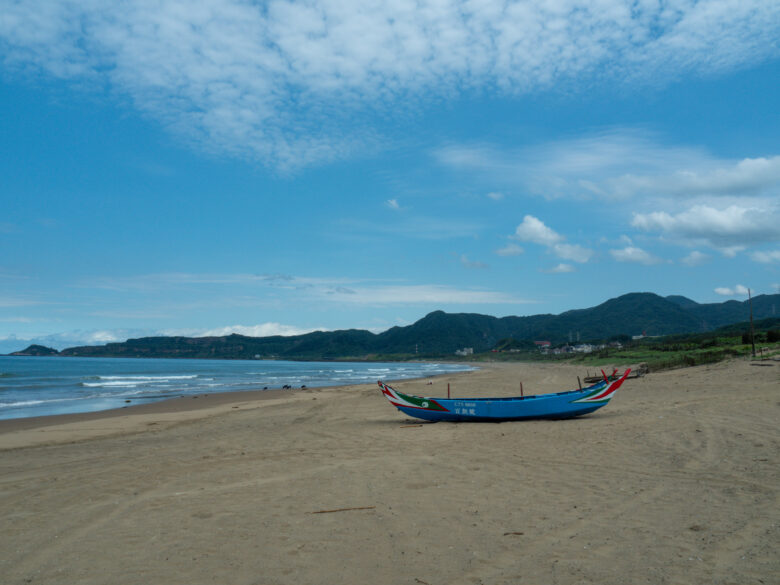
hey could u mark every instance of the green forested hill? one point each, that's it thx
(443, 333)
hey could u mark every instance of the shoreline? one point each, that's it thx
(168, 405)
(134, 417)
(183, 402)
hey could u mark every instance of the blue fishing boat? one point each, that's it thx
(543, 406)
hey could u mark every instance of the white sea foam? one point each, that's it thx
(21, 403)
(116, 384)
(133, 381)
(149, 378)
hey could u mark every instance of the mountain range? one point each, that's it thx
(443, 333)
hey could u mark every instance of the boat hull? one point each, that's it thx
(487, 412)
(561, 405)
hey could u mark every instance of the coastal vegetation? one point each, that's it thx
(663, 352)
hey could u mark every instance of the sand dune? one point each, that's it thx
(675, 481)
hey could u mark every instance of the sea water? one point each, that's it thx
(40, 386)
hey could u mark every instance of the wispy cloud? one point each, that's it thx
(16, 320)
(695, 258)
(254, 290)
(8, 302)
(159, 281)
(766, 256)
(510, 250)
(616, 163)
(561, 268)
(413, 227)
(430, 294)
(289, 83)
(466, 262)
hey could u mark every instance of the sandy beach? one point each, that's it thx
(676, 481)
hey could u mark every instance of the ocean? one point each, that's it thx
(41, 386)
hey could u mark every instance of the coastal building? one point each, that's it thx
(543, 346)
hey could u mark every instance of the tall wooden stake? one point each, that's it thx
(752, 332)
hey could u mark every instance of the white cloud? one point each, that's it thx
(561, 269)
(72, 338)
(393, 204)
(102, 336)
(729, 229)
(704, 177)
(695, 258)
(746, 176)
(765, 257)
(634, 254)
(510, 250)
(279, 81)
(496, 196)
(263, 330)
(534, 230)
(732, 292)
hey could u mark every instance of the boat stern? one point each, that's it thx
(603, 394)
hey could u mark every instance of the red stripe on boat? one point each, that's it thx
(612, 388)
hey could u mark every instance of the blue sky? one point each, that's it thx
(274, 168)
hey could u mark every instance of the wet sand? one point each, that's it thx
(675, 481)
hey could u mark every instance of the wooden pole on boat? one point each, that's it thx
(578, 382)
(521, 388)
(448, 389)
